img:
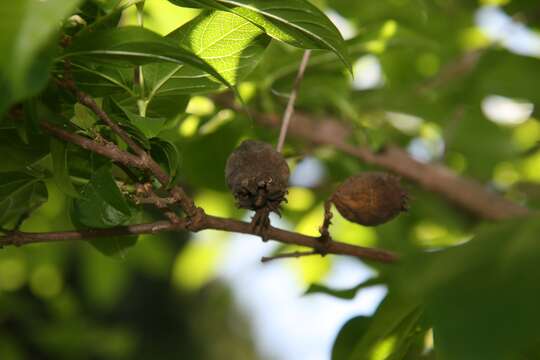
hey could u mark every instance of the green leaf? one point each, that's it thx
(346, 294)
(114, 245)
(83, 164)
(103, 79)
(59, 154)
(348, 337)
(481, 296)
(83, 118)
(228, 42)
(19, 155)
(117, 109)
(150, 127)
(27, 35)
(19, 193)
(103, 206)
(395, 315)
(135, 133)
(166, 154)
(135, 45)
(206, 155)
(296, 22)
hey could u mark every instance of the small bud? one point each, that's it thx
(370, 198)
(258, 176)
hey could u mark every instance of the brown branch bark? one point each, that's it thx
(107, 149)
(207, 222)
(466, 193)
(295, 254)
(19, 238)
(200, 222)
(195, 220)
(147, 162)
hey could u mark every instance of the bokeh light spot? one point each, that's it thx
(12, 274)
(189, 126)
(200, 106)
(196, 263)
(46, 281)
(299, 199)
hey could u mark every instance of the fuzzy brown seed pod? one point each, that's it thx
(258, 176)
(370, 198)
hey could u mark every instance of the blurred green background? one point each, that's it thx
(454, 82)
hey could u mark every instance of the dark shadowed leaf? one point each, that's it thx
(21, 154)
(396, 317)
(347, 294)
(349, 335)
(19, 194)
(482, 296)
(59, 155)
(103, 206)
(167, 155)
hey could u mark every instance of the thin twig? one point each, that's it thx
(19, 238)
(207, 222)
(89, 102)
(296, 254)
(200, 220)
(146, 195)
(289, 110)
(113, 152)
(139, 76)
(453, 70)
(106, 149)
(325, 233)
(145, 161)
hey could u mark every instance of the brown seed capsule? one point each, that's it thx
(258, 176)
(370, 198)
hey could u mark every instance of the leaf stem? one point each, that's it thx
(289, 110)
(139, 76)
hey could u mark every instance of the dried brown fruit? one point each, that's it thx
(258, 176)
(370, 198)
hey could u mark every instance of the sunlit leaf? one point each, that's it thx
(137, 46)
(296, 22)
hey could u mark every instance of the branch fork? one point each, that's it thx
(195, 219)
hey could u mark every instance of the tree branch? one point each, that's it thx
(200, 222)
(196, 219)
(147, 162)
(207, 222)
(107, 149)
(464, 192)
(19, 238)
